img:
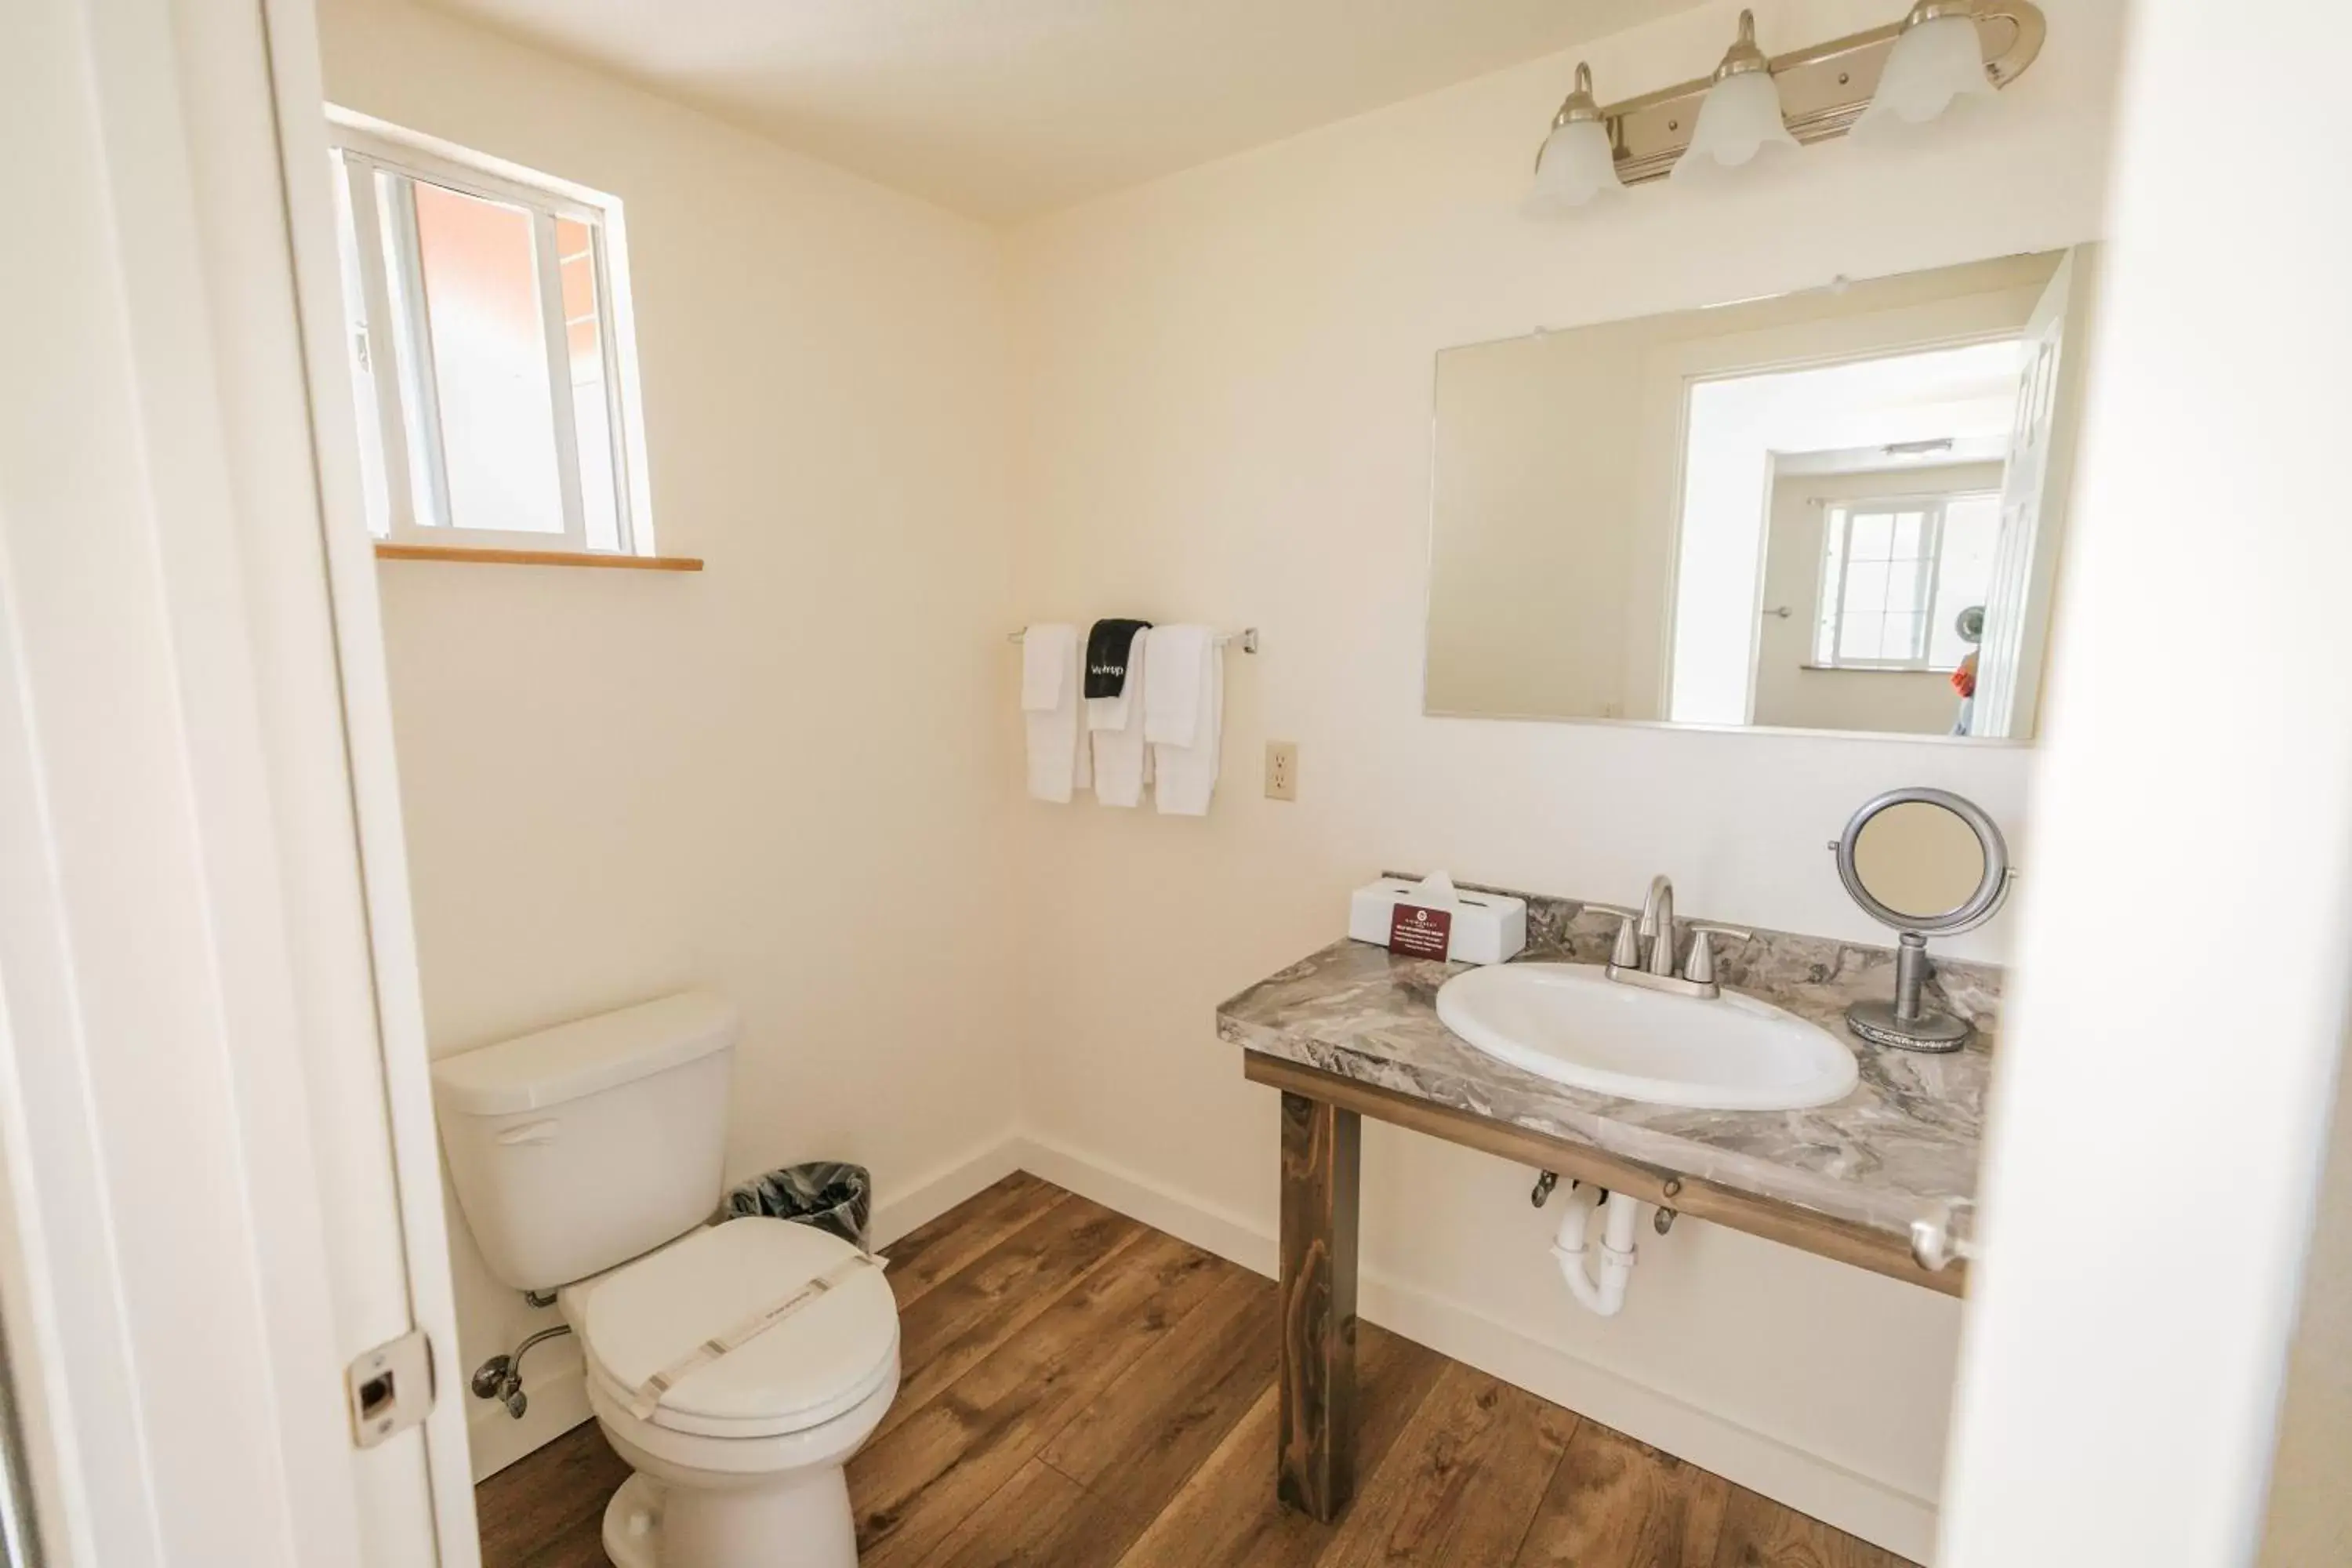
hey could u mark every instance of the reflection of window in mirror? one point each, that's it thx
(1896, 576)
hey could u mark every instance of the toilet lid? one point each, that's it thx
(804, 1369)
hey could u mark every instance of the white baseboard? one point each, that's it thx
(925, 1200)
(1227, 1235)
(1879, 1513)
(558, 1386)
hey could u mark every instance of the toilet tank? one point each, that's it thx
(582, 1146)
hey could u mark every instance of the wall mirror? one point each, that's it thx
(1839, 510)
(1927, 863)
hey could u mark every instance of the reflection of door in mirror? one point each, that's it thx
(2033, 506)
(1919, 859)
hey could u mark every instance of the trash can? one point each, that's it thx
(827, 1193)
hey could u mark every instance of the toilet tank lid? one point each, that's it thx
(585, 1056)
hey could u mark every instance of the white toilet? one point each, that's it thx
(587, 1159)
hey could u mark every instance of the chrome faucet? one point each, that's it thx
(1652, 967)
(1658, 926)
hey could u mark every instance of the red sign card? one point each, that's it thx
(1420, 932)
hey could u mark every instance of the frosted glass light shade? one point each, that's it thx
(1739, 118)
(1932, 64)
(1576, 164)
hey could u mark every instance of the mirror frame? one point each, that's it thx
(1979, 907)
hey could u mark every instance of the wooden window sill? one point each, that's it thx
(1873, 670)
(474, 556)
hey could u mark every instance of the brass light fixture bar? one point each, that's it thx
(1823, 88)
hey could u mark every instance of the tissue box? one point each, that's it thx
(1487, 928)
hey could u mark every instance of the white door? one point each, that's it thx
(1791, 590)
(217, 1179)
(2154, 1144)
(2033, 495)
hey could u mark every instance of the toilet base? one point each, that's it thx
(804, 1523)
(633, 1524)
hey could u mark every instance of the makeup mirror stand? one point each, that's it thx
(1907, 1021)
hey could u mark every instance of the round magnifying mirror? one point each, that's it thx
(1918, 858)
(1928, 863)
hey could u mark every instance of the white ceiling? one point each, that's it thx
(1005, 108)
(1826, 414)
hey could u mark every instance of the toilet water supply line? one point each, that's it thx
(1606, 1295)
(501, 1377)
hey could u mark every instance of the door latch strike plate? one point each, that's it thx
(390, 1388)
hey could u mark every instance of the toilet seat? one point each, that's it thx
(809, 1368)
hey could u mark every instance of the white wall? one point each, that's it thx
(782, 777)
(1230, 402)
(2115, 1405)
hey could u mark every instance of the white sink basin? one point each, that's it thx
(1573, 1024)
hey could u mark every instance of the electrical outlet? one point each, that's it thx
(1282, 769)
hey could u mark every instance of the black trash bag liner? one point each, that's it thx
(827, 1193)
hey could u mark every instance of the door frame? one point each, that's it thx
(217, 1178)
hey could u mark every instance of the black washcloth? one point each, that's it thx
(1106, 650)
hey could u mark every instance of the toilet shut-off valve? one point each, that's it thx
(501, 1377)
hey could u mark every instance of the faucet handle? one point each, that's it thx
(1626, 952)
(1701, 967)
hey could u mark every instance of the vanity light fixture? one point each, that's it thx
(1741, 115)
(1578, 162)
(1896, 77)
(1938, 59)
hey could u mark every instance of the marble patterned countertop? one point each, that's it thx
(1902, 1146)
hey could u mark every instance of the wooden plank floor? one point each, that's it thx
(1081, 1391)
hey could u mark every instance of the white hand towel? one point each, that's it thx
(1183, 717)
(1122, 761)
(1045, 654)
(1049, 708)
(1172, 694)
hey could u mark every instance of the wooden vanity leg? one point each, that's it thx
(1320, 1144)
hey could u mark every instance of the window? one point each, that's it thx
(1895, 575)
(489, 363)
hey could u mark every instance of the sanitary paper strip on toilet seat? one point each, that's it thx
(647, 1395)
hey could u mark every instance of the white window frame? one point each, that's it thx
(1829, 578)
(369, 147)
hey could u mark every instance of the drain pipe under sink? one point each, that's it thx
(1607, 1295)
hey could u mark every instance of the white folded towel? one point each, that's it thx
(1183, 717)
(1171, 692)
(1115, 725)
(1049, 707)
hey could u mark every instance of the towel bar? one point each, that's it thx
(1246, 636)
